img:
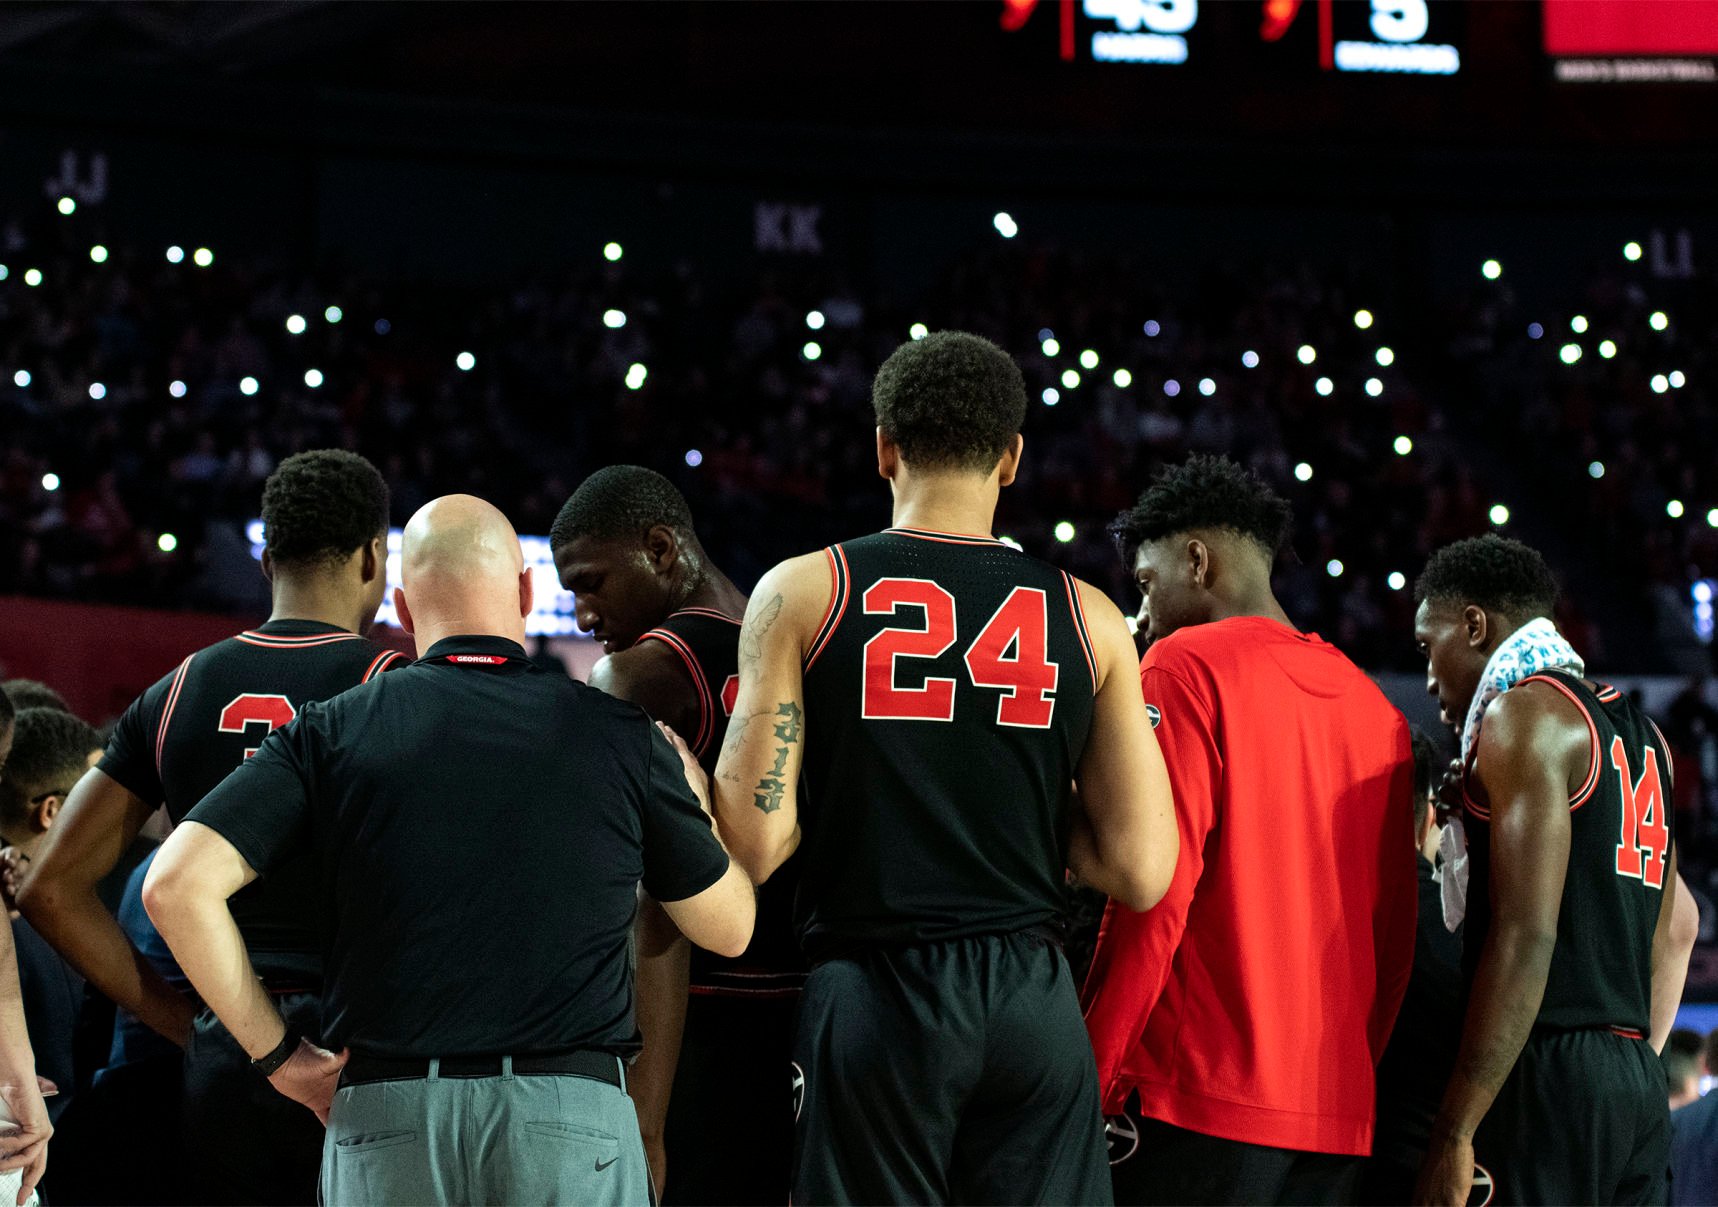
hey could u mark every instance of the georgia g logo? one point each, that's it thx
(798, 1089)
(1121, 1137)
(1484, 1189)
(1155, 713)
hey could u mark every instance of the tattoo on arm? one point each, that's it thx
(751, 637)
(767, 796)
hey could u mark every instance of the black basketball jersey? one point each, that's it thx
(708, 645)
(187, 733)
(948, 696)
(1619, 860)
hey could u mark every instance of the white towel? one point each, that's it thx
(1535, 647)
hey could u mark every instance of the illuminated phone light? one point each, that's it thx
(177, 389)
(1499, 514)
(1123, 378)
(1674, 509)
(918, 331)
(1659, 321)
(1088, 360)
(175, 255)
(1578, 324)
(614, 320)
(1051, 396)
(32, 277)
(1207, 386)
(98, 254)
(1660, 383)
(1005, 225)
(815, 320)
(313, 378)
(295, 324)
(1306, 354)
(167, 542)
(612, 252)
(1152, 328)
(1374, 387)
(97, 391)
(1403, 446)
(1608, 348)
(635, 376)
(1678, 379)
(1050, 347)
(1570, 353)
(248, 386)
(812, 350)
(1595, 469)
(1065, 532)
(1631, 251)
(1250, 359)
(1397, 580)
(21, 379)
(1324, 386)
(465, 362)
(203, 257)
(1303, 472)
(333, 314)
(1070, 379)
(694, 458)
(50, 482)
(1172, 387)
(1363, 319)
(67, 206)
(1712, 522)
(1535, 330)
(1334, 567)
(1491, 270)
(1045, 333)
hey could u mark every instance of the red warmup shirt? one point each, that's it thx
(1254, 1001)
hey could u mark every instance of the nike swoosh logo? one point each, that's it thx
(602, 1165)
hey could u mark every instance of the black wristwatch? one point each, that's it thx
(267, 1065)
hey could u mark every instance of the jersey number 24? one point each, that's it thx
(1009, 654)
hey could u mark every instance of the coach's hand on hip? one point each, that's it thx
(310, 1076)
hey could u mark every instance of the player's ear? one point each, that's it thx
(1476, 625)
(267, 566)
(888, 456)
(401, 611)
(374, 560)
(1010, 463)
(49, 810)
(662, 543)
(1198, 561)
(527, 591)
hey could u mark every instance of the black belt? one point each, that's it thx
(598, 1066)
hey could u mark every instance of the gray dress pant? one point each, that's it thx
(506, 1139)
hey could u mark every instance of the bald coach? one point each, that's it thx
(481, 827)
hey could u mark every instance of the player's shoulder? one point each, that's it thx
(1537, 716)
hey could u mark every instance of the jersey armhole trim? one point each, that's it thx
(839, 586)
(712, 613)
(167, 711)
(706, 724)
(382, 661)
(1592, 782)
(1080, 627)
(1669, 762)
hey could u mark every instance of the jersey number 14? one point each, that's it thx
(1646, 830)
(1010, 654)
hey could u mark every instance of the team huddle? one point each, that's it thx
(773, 907)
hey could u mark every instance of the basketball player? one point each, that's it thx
(325, 517)
(1557, 1095)
(643, 584)
(1240, 1022)
(943, 692)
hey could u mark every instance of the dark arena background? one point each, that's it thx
(1434, 268)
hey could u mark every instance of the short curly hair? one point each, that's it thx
(620, 502)
(32, 693)
(951, 400)
(50, 750)
(1491, 571)
(319, 506)
(1204, 492)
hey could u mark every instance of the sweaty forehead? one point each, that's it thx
(1432, 616)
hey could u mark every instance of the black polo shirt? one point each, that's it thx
(481, 827)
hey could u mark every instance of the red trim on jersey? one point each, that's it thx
(1579, 798)
(383, 660)
(735, 991)
(841, 583)
(946, 538)
(712, 613)
(167, 711)
(1080, 627)
(1606, 693)
(706, 702)
(1626, 1032)
(264, 641)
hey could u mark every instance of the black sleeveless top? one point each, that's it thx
(1619, 857)
(948, 696)
(708, 643)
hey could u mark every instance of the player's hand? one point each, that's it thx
(1446, 1177)
(24, 1146)
(1448, 793)
(695, 777)
(12, 862)
(310, 1076)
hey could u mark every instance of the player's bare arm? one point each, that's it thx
(186, 895)
(25, 1146)
(1125, 841)
(1672, 946)
(651, 676)
(757, 778)
(1534, 753)
(100, 820)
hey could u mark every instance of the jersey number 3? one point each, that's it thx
(1009, 654)
(245, 711)
(1646, 830)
